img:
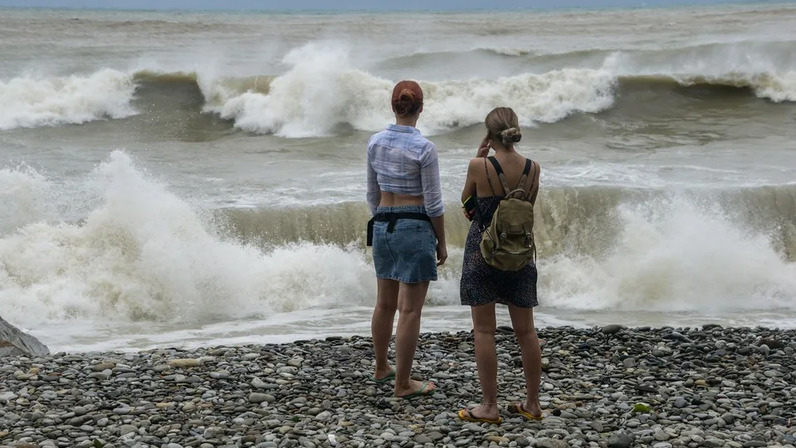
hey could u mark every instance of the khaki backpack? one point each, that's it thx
(507, 241)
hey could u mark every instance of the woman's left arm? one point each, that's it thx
(469, 181)
(374, 192)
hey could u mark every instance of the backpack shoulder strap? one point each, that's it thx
(524, 177)
(531, 191)
(486, 173)
(499, 170)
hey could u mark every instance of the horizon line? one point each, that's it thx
(682, 3)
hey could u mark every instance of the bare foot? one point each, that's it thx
(532, 408)
(381, 375)
(415, 388)
(490, 412)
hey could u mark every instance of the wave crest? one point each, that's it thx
(32, 102)
(322, 93)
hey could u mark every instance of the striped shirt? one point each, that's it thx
(402, 161)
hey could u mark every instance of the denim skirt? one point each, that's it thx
(408, 254)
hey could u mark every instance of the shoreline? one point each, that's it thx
(707, 386)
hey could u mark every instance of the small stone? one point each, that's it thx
(184, 363)
(103, 366)
(612, 329)
(323, 416)
(551, 443)
(422, 439)
(127, 429)
(295, 362)
(255, 397)
(621, 440)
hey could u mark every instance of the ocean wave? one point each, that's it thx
(33, 101)
(143, 254)
(322, 93)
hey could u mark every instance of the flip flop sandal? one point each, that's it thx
(424, 390)
(385, 378)
(468, 416)
(520, 409)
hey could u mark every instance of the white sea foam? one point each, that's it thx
(76, 99)
(322, 90)
(777, 88)
(23, 193)
(674, 255)
(318, 92)
(146, 255)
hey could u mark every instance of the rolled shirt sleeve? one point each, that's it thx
(429, 177)
(374, 192)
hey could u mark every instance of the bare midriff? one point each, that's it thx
(394, 199)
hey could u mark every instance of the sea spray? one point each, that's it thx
(146, 254)
(673, 255)
(75, 99)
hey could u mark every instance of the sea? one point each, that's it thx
(183, 179)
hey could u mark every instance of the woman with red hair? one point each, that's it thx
(408, 235)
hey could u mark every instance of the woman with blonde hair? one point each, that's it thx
(483, 285)
(408, 235)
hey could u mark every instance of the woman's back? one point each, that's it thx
(512, 163)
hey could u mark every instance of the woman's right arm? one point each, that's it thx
(432, 195)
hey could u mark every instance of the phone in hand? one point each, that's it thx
(469, 206)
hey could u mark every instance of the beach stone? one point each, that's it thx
(15, 342)
(588, 399)
(127, 429)
(629, 362)
(551, 443)
(184, 363)
(620, 440)
(422, 439)
(256, 397)
(612, 329)
(296, 362)
(103, 366)
(435, 436)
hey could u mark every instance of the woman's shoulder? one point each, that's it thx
(377, 136)
(476, 162)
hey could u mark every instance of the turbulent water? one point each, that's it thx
(198, 178)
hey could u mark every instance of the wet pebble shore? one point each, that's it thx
(601, 387)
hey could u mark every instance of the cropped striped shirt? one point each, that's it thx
(402, 161)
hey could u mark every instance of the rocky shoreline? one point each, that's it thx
(602, 387)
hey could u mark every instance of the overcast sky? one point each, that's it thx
(287, 5)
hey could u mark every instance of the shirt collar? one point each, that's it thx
(402, 128)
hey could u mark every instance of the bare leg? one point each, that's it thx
(486, 359)
(381, 324)
(522, 320)
(411, 297)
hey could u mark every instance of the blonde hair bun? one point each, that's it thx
(510, 135)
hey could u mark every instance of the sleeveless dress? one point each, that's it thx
(482, 284)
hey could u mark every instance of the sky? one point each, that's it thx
(348, 5)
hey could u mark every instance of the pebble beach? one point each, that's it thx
(601, 387)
